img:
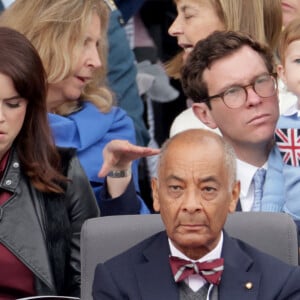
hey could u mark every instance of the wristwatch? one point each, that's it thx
(119, 173)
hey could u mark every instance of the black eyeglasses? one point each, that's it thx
(264, 86)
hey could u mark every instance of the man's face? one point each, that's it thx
(252, 124)
(194, 196)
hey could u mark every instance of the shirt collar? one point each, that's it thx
(245, 173)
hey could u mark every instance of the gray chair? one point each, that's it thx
(105, 237)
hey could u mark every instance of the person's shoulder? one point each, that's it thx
(276, 278)
(71, 166)
(66, 156)
(66, 153)
(90, 113)
(115, 112)
(265, 261)
(188, 120)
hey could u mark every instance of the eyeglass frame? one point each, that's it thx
(221, 95)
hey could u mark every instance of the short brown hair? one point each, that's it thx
(216, 46)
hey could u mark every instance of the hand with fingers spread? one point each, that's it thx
(119, 154)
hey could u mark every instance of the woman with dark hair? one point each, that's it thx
(44, 194)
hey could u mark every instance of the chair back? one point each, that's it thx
(105, 237)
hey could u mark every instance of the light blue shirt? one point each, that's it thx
(7, 3)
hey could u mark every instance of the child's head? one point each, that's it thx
(289, 54)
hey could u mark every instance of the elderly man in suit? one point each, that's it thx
(194, 258)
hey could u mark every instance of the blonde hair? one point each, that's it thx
(262, 19)
(290, 34)
(55, 28)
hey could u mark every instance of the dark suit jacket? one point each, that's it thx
(143, 272)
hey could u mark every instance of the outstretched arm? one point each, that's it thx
(118, 156)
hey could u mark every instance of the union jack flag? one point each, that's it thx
(288, 142)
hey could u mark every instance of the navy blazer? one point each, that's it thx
(143, 272)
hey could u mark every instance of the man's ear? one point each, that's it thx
(203, 113)
(154, 185)
(281, 73)
(235, 195)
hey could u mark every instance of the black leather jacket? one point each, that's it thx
(24, 225)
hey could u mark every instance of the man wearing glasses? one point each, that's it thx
(229, 76)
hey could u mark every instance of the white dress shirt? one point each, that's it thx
(195, 282)
(245, 173)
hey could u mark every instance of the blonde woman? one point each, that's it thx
(70, 37)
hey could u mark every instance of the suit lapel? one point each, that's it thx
(237, 281)
(154, 275)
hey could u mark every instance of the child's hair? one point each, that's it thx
(290, 34)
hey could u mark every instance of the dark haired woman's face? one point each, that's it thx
(12, 113)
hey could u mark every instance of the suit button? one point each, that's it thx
(16, 165)
(249, 285)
